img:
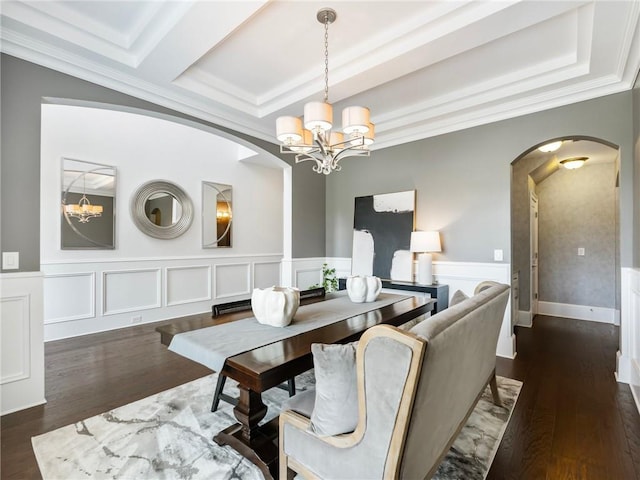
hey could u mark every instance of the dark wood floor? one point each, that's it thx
(572, 420)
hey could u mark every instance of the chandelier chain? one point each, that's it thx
(326, 58)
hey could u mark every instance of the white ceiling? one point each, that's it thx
(423, 67)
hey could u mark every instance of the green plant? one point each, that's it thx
(329, 280)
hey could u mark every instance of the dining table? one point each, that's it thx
(259, 368)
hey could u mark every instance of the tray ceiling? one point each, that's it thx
(423, 67)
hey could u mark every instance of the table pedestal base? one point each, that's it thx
(262, 450)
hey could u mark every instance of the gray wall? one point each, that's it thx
(463, 178)
(521, 184)
(577, 209)
(22, 86)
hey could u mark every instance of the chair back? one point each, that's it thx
(458, 363)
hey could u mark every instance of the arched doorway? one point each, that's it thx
(565, 231)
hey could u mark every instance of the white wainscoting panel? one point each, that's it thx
(342, 266)
(628, 357)
(15, 345)
(21, 341)
(69, 296)
(266, 274)
(302, 272)
(465, 276)
(131, 290)
(232, 280)
(308, 277)
(187, 284)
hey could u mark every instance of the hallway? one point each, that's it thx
(572, 420)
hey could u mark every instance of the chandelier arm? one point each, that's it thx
(346, 152)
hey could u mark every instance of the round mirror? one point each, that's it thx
(161, 209)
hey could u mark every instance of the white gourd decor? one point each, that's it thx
(275, 306)
(363, 288)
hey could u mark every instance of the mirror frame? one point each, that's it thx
(146, 226)
(215, 185)
(95, 244)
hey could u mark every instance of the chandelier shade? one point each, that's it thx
(289, 129)
(355, 120)
(318, 116)
(317, 141)
(83, 210)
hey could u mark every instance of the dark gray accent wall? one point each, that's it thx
(462, 179)
(22, 88)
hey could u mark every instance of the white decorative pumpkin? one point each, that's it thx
(363, 289)
(275, 306)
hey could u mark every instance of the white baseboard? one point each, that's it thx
(635, 391)
(578, 312)
(525, 319)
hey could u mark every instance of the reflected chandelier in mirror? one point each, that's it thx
(217, 215)
(161, 209)
(88, 205)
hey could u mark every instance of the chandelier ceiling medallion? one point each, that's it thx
(316, 141)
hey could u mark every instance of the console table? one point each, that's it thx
(439, 292)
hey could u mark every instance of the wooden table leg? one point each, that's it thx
(256, 443)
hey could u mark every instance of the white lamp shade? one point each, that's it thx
(355, 119)
(289, 129)
(304, 145)
(363, 140)
(425, 242)
(318, 115)
(336, 138)
(370, 135)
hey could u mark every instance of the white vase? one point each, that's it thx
(363, 289)
(275, 306)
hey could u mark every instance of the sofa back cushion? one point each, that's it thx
(459, 359)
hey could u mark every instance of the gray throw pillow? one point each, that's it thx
(458, 297)
(336, 404)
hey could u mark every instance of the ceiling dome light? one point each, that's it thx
(550, 147)
(572, 163)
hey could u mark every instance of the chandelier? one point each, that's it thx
(316, 141)
(83, 210)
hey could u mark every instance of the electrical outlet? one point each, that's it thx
(581, 251)
(136, 319)
(498, 255)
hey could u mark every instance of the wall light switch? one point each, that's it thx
(10, 260)
(581, 251)
(498, 255)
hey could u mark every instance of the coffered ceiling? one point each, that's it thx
(423, 67)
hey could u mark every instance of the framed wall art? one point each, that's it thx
(382, 226)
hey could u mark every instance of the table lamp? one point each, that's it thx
(423, 243)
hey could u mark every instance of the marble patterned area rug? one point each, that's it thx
(169, 436)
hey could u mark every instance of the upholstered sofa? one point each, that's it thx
(414, 391)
